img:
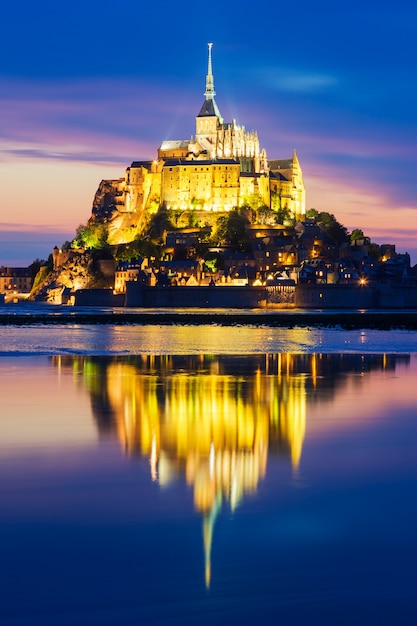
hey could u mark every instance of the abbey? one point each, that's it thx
(221, 167)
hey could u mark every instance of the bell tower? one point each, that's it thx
(209, 118)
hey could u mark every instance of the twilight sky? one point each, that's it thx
(88, 87)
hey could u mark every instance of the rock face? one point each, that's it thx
(109, 207)
(78, 269)
(108, 198)
(74, 270)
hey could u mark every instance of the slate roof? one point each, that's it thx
(146, 164)
(278, 175)
(209, 109)
(280, 164)
(251, 174)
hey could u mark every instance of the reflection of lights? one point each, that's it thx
(153, 460)
(196, 417)
(212, 460)
(212, 427)
(167, 471)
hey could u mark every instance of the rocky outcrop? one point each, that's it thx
(108, 198)
(109, 208)
(78, 270)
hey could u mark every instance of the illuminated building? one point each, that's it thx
(220, 168)
(15, 281)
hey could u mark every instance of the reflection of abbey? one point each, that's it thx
(220, 168)
(213, 420)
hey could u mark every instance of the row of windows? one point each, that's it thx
(201, 168)
(15, 286)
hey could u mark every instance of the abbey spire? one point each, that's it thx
(209, 93)
(210, 108)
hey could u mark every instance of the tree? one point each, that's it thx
(91, 235)
(357, 235)
(276, 199)
(285, 217)
(138, 248)
(160, 223)
(254, 201)
(265, 215)
(230, 230)
(41, 276)
(211, 264)
(336, 231)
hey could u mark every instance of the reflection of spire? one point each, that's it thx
(212, 458)
(294, 420)
(208, 525)
(211, 426)
(154, 460)
(214, 426)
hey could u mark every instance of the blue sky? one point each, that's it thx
(90, 86)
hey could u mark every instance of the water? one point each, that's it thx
(125, 340)
(191, 475)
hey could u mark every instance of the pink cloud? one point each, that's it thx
(93, 120)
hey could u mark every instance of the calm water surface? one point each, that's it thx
(203, 339)
(269, 481)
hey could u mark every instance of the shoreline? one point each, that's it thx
(352, 320)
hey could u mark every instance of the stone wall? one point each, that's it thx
(138, 295)
(377, 296)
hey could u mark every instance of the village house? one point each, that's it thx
(182, 272)
(126, 271)
(15, 282)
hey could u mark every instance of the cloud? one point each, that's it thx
(13, 231)
(33, 153)
(366, 155)
(98, 120)
(296, 81)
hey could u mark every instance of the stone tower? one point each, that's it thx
(209, 119)
(219, 140)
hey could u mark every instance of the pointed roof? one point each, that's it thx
(295, 158)
(284, 164)
(210, 108)
(280, 164)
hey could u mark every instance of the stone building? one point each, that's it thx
(128, 270)
(287, 189)
(220, 168)
(15, 281)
